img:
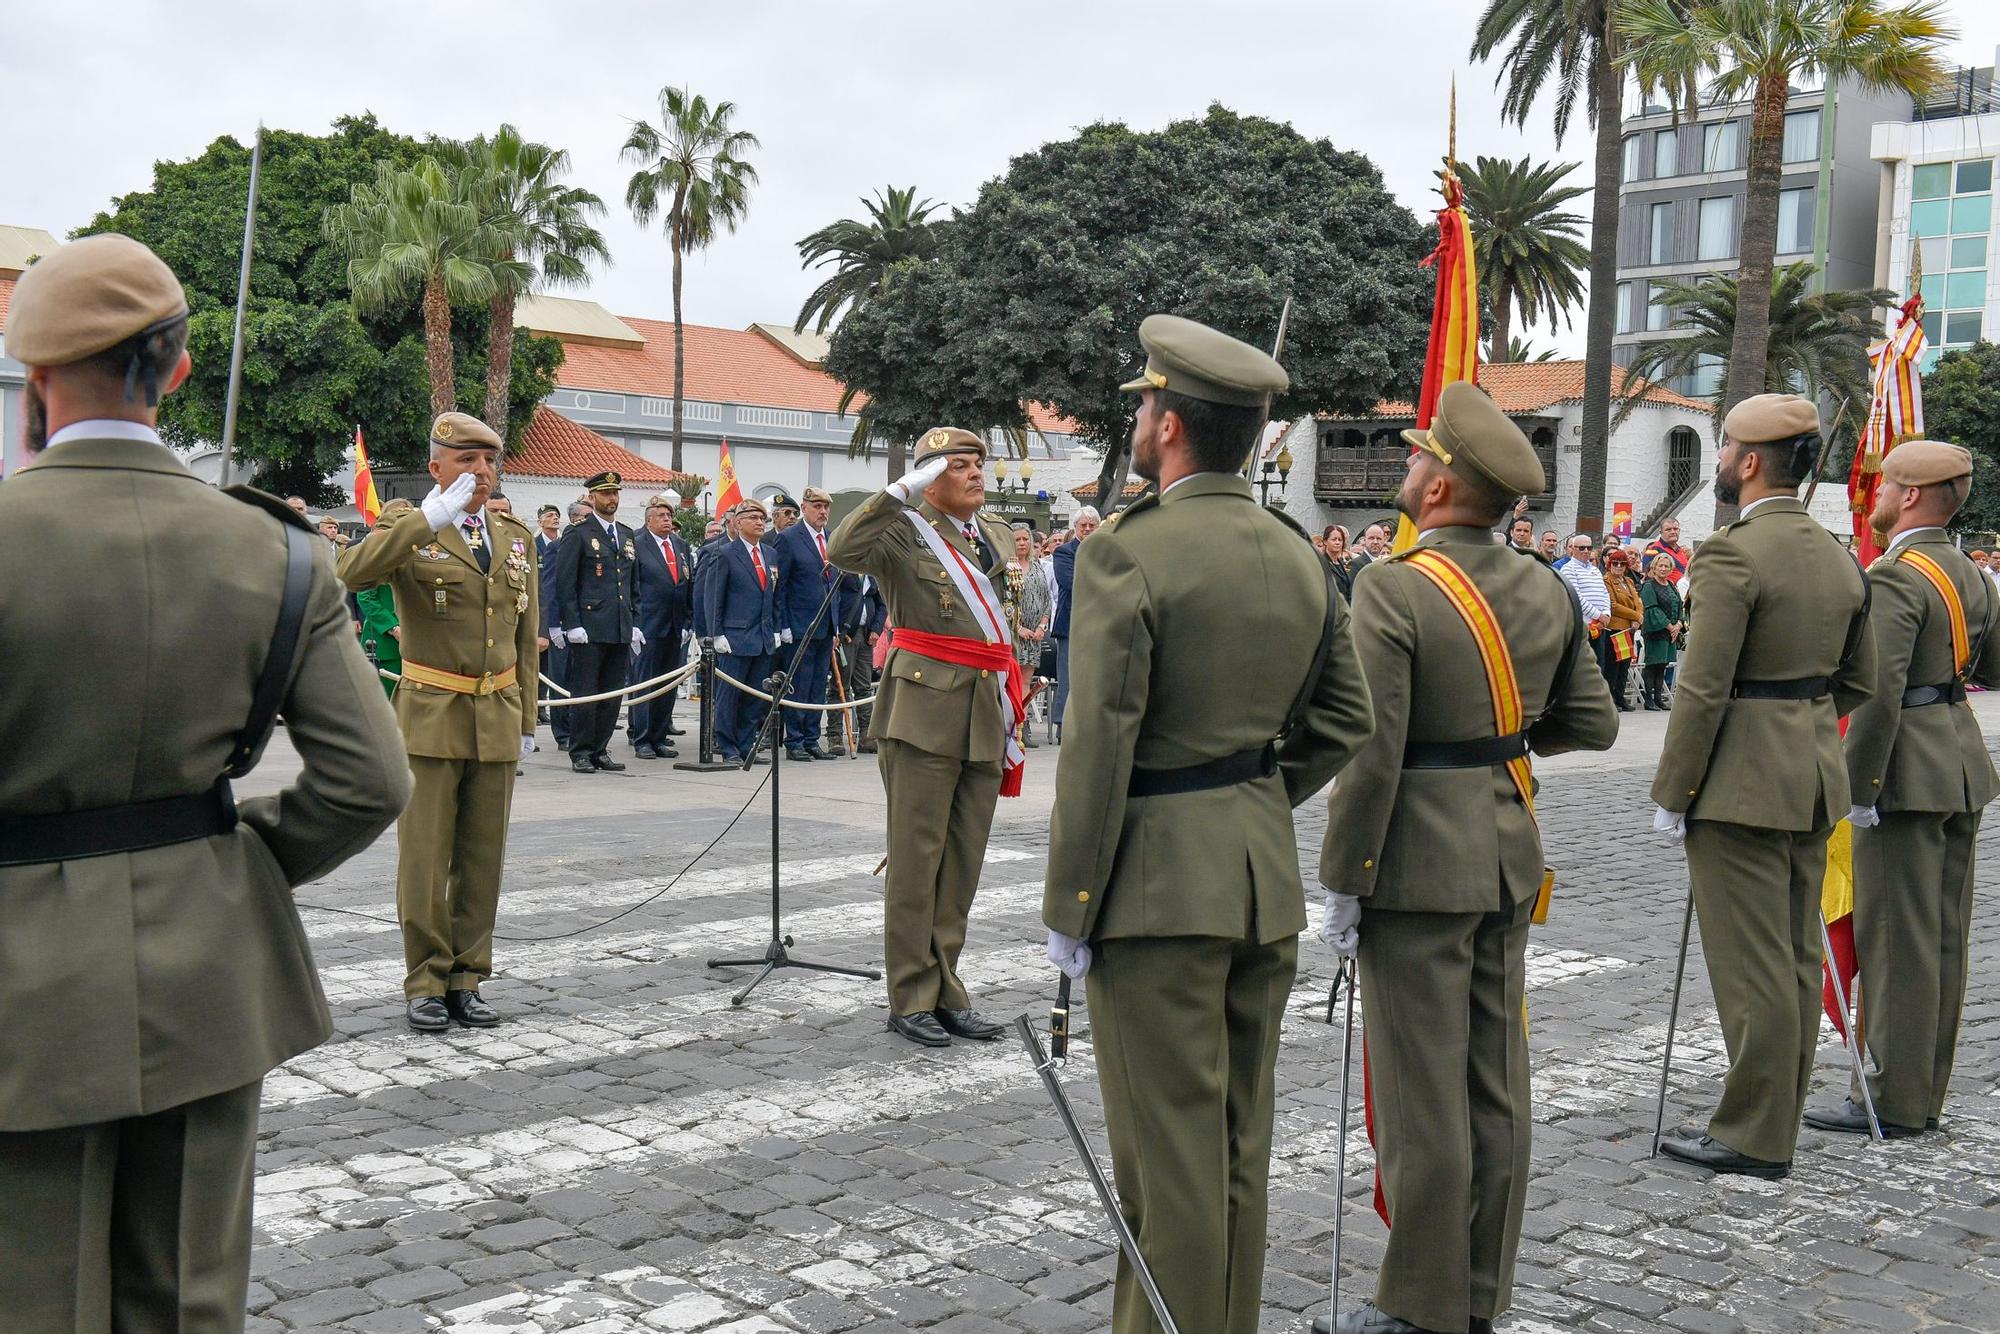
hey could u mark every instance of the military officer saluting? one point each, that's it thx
(1173, 873)
(597, 600)
(949, 701)
(1752, 775)
(466, 596)
(1433, 861)
(1920, 775)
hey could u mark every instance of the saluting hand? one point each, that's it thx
(443, 508)
(917, 481)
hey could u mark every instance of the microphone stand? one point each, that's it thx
(777, 951)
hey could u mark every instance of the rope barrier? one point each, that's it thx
(755, 693)
(660, 685)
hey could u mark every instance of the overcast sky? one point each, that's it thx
(845, 98)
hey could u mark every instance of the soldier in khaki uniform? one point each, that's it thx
(467, 594)
(1173, 875)
(941, 722)
(1752, 774)
(1920, 774)
(152, 965)
(1433, 862)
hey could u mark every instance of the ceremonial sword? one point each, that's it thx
(1850, 1039)
(1673, 1013)
(1346, 974)
(1045, 1067)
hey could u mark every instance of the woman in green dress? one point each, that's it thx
(1661, 628)
(379, 628)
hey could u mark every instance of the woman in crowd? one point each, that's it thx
(1334, 548)
(1626, 614)
(1031, 628)
(1662, 627)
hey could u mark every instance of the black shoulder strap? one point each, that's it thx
(1297, 712)
(1985, 628)
(270, 691)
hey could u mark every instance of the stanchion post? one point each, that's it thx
(705, 761)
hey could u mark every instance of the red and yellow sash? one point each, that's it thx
(1509, 714)
(1933, 573)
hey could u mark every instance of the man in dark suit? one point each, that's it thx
(804, 578)
(863, 617)
(548, 524)
(594, 574)
(664, 582)
(739, 609)
(1064, 561)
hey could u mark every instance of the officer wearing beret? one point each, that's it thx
(943, 724)
(1173, 874)
(1920, 776)
(466, 594)
(152, 965)
(1752, 776)
(598, 601)
(1433, 865)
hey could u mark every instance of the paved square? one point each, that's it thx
(627, 1152)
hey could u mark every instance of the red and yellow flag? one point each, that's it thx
(728, 494)
(1453, 353)
(365, 498)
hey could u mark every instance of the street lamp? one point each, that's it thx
(1275, 472)
(1019, 487)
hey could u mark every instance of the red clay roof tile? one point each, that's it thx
(555, 446)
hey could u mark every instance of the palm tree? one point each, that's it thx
(421, 229)
(547, 225)
(1525, 247)
(861, 252)
(1816, 343)
(1569, 50)
(694, 177)
(1757, 48)
(1521, 350)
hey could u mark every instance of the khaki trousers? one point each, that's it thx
(1186, 1034)
(1448, 1064)
(940, 812)
(1912, 928)
(452, 842)
(136, 1225)
(1757, 893)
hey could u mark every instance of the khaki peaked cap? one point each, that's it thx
(1765, 417)
(88, 296)
(462, 430)
(946, 440)
(1469, 433)
(1925, 463)
(1184, 356)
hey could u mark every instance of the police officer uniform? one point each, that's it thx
(466, 597)
(596, 570)
(1172, 850)
(1777, 651)
(153, 967)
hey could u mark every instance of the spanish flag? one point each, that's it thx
(1454, 347)
(365, 498)
(728, 494)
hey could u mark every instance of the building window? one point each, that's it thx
(1722, 146)
(1683, 459)
(1707, 377)
(1971, 213)
(1961, 328)
(1802, 136)
(1975, 177)
(1664, 148)
(598, 402)
(1930, 217)
(1630, 171)
(1659, 315)
(1795, 221)
(1967, 252)
(1716, 238)
(1931, 181)
(1965, 289)
(1662, 224)
(783, 418)
(1626, 324)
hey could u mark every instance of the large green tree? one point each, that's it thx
(1525, 245)
(1962, 405)
(1034, 294)
(860, 251)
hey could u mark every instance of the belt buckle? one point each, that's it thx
(486, 685)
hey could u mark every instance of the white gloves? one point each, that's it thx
(785, 635)
(1340, 928)
(1674, 824)
(577, 636)
(913, 484)
(775, 641)
(721, 644)
(444, 508)
(527, 746)
(556, 639)
(1069, 954)
(638, 639)
(1863, 817)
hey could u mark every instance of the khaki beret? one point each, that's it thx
(813, 493)
(462, 430)
(661, 502)
(1190, 358)
(604, 481)
(87, 296)
(946, 440)
(1763, 417)
(1925, 463)
(1471, 434)
(745, 506)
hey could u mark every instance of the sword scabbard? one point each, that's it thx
(1059, 1022)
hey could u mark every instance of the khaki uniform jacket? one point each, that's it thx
(1770, 598)
(943, 708)
(135, 982)
(457, 619)
(1203, 615)
(1933, 757)
(1436, 840)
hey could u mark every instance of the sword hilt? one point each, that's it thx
(1059, 1022)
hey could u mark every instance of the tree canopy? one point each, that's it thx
(312, 369)
(1962, 405)
(1035, 293)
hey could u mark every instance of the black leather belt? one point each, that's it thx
(1242, 767)
(1477, 753)
(1805, 687)
(73, 835)
(1918, 696)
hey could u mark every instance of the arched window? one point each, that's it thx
(1683, 459)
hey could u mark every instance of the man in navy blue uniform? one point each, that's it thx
(664, 582)
(740, 612)
(863, 617)
(594, 572)
(804, 579)
(548, 527)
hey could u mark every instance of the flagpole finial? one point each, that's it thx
(1916, 263)
(1451, 141)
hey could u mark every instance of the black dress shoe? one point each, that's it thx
(1367, 1320)
(817, 751)
(427, 1014)
(541, 717)
(1850, 1118)
(562, 744)
(580, 763)
(606, 763)
(865, 748)
(795, 753)
(921, 1029)
(1716, 1156)
(676, 731)
(969, 1024)
(466, 1007)
(645, 752)
(665, 750)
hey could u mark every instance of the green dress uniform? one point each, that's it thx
(940, 734)
(468, 634)
(1447, 861)
(144, 994)
(378, 618)
(1777, 651)
(1172, 850)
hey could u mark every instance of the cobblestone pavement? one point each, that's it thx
(627, 1152)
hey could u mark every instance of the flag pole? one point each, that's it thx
(242, 300)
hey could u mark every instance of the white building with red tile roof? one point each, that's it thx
(19, 247)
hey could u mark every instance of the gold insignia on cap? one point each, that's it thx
(939, 439)
(442, 431)
(1154, 378)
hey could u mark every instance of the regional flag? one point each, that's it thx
(728, 494)
(365, 498)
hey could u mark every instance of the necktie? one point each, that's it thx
(819, 538)
(476, 539)
(673, 566)
(758, 561)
